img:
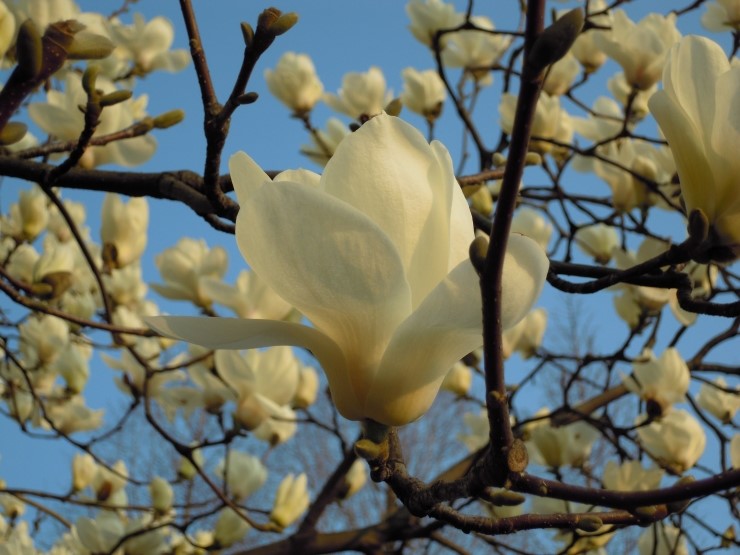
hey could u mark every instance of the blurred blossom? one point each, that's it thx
(722, 16)
(458, 379)
(379, 308)
(21, 263)
(562, 446)
(59, 227)
(244, 474)
(699, 120)
(161, 494)
(676, 439)
(355, 479)
(631, 476)
(185, 266)
(641, 48)
(108, 481)
(43, 339)
(291, 500)
(11, 506)
(585, 49)
(429, 16)
(423, 92)
(530, 222)
(146, 44)
(561, 75)
(250, 297)
(604, 121)
(123, 229)
(73, 365)
(7, 29)
(125, 285)
(475, 51)
(72, 415)
(625, 93)
(662, 539)
(532, 333)
(649, 298)
(294, 82)
(628, 308)
(43, 12)
(661, 381)
(56, 260)
(101, 534)
(84, 468)
(230, 528)
(308, 388)
(29, 217)
(577, 542)
(60, 117)
(477, 430)
(550, 121)
(719, 402)
(325, 143)
(362, 95)
(598, 240)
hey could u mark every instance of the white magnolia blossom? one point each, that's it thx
(355, 479)
(362, 95)
(230, 528)
(568, 445)
(584, 48)
(243, 473)
(458, 379)
(597, 241)
(58, 225)
(123, 230)
(389, 321)
(53, 261)
(423, 92)
(250, 297)
(109, 481)
(641, 48)
(623, 92)
(84, 469)
(307, 390)
(676, 439)
(21, 263)
(161, 494)
(604, 121)
(561, 75)
(146, 44)
(7, 29)
(648, 298)
(43, 12)
(663, 381)
(185, 267)
(631, 476)
(29, 217)
(721, 401)
(60, 117)
(291, 500)
(72, 415)
(73, 365)
(475, 51)
(696, 114)
(722, 16)
(577, 542)
(550, 121)
(530, 222)
(662, 539)
(429, 16)
(43, 339)
(294, 82)
(477, 430)
(325, 143)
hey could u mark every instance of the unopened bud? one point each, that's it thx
(533, 159)
(284, 23)
(371, 451)
(161, 493)
(249, 412)
(478, 251)
(62, 33)
(115, 97)
(28, 49)
(394, 107)
(13, 132)
(589, 523)
(498, 159)
(89, 78)
(168, 119)
(90, 46)
(247, 33)
(247, 98)
(505, 498)
(267, 19)
(555, 41)
(648, 512)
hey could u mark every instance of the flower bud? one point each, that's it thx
(186, 470)
(28, 49)
(249, 412)
(90, 46)
(247, 33)
(161, 493)
(13, 132)
(83, 471)
(115, 97)
(555, 40)
(589, 523)
(284, 23)
(291, 500)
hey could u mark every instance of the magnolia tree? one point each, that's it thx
(381, 375)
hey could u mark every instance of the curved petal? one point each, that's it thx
(525, 270)
(234, 370)
(235, 333)
(446, 327)
(339, 269)
(388, 171)
(246, 176)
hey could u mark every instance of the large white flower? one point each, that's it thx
(698, 112)
(375, 254)
(294, 82)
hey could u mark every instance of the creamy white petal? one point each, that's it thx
(246, 176)
(525, 270)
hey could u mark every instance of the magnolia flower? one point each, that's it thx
(529, 222)
(625, 94)
(631, 476)
(58, 225)
(375, 254)
(476, 51)
(251, 297)
(108, 481)
(60, 117)
(243, 473)
(185, 266)
(429, 16)
(458, 379)
(308, 388)
(161, 493)
(478, 430)
(7, 29)
(640, 48)
(43, 339)
(362, 95)
(598, 241)
(649, 298)
(696, 113)
(123, 229)
(355, 479)
(146, 44)
(604, 121)
(662, 381)
(291, 500)
(721, 401)
(294, 82)
(578, 542)
(550, 120)
(722, 16)
(423, 92)
(584, 48)
(676, 440)
(532, 332)
(561, 74)
(84, 468)
(563, 446)
(230, 528)
(72, 415)
(662, 539)
(325, 143)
